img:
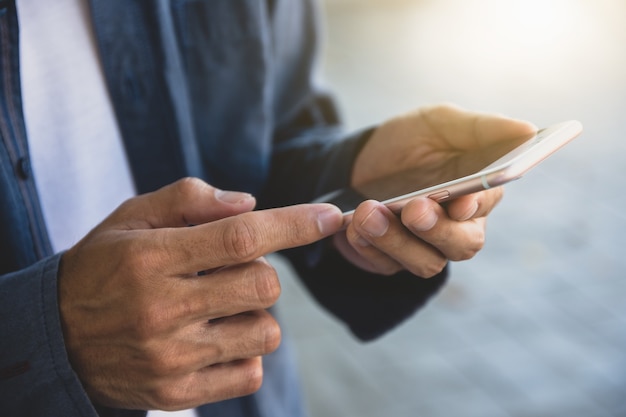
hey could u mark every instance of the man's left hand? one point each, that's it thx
(426, 235)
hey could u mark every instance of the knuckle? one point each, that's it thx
(154, 361)
(146, 325)
(152, 319)
(146, 311)
(188, 187)
(470, 250)
(161, 365)
(161, 361)
(165, 362)
(127, 206)
(267, 285)
(388, 269)
(139, 256)
(241, 240)
(433, 268)
(168, 398)
(479, 243)
(270, 336)
(264, 336)
(253, 377)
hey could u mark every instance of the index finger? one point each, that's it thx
(248, 236)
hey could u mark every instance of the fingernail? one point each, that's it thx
(375, 224)
(232, 197)
(329, 219)
(426, 222)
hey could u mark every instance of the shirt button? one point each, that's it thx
(23, 168)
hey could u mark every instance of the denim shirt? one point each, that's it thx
(218, 89)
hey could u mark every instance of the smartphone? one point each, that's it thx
(467, 173)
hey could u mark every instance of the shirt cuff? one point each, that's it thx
(35, 375)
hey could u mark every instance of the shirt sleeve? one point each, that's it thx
(36, 378)
(369, 304)
(316, 160)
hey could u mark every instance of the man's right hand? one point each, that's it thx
(160, 315)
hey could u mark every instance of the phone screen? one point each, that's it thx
(464, 164)
(463, 173)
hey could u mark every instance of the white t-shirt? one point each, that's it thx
(77, 153)
(76, 150)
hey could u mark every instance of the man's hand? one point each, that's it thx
(160, 314)
(426, 235)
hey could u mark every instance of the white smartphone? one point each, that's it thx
(468, 173)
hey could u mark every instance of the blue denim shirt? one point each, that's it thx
(218, 89)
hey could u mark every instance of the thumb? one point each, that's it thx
(469, 130)
(189, 201)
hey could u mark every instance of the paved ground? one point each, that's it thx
(536, 324)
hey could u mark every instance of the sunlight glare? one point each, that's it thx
(529, 41)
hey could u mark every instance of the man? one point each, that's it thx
(162, 304)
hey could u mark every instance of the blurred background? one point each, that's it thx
(535, 325)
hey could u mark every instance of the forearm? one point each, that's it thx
(318, 162)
